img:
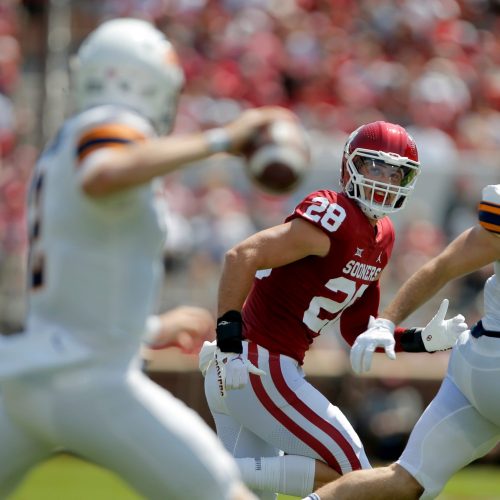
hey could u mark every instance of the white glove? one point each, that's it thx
(441, 334)
(232, 370)
(380, 333)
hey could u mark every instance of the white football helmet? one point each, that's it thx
(379, 144)
(130, 63)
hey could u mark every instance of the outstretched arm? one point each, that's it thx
(472, 250)
(138, 163)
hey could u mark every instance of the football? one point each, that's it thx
(278, 158)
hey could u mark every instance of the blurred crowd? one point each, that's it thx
(433, 66)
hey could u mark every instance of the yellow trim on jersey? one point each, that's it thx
(110, 135)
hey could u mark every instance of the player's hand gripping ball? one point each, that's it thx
(279, 157)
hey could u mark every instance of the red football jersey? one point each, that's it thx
(291, 305)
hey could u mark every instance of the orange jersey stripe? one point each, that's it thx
(494, 228)
(489, 207)
(105, 136)
(489, 216)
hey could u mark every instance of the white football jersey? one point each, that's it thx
(95, 264)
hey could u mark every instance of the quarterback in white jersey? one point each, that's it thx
(71, 380)
(120, 238)
(462, 422)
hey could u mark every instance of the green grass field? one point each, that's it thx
(67, 478)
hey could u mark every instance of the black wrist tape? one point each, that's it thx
(411, 340)
(230, 332)
(231, 316)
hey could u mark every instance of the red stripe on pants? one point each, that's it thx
(284, 419)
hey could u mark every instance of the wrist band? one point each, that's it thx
(229, 332)
(218, 140)
(411, 340)
(153, 327)
(386, 323)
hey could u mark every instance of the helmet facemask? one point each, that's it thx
(377, 198)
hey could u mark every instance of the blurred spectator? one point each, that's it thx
(7, 127)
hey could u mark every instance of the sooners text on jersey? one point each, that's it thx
(291, 305)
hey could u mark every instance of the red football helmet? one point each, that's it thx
(386, 145)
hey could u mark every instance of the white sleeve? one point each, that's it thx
(491, 194)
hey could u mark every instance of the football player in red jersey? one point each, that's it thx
(316, 273)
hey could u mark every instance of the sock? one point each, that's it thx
(289, 474)
(312, 496)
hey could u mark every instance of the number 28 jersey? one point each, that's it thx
(291, 305)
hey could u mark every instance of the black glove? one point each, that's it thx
(230, 332)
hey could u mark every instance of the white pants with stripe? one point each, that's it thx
(282, 411)
(462, 422)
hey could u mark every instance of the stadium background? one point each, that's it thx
(432, 66)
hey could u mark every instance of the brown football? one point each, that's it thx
(279, 157)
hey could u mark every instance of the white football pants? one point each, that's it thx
(118, 419)
(282, 411)
(462, 422)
